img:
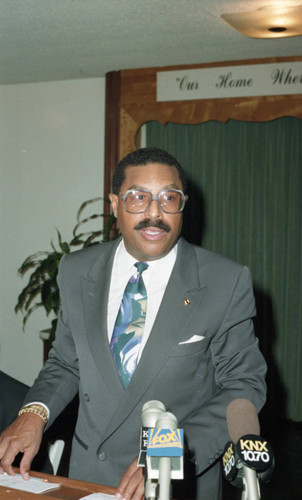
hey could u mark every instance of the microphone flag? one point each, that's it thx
(165, 443)
(143, 439)
(257, 454)
(252, 452)
(229, 463)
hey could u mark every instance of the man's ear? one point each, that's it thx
(114, 200)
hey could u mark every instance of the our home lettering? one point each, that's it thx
(185, 84)
(226, 81)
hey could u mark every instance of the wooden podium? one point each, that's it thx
(70, 489)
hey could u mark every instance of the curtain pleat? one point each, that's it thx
(246, 202)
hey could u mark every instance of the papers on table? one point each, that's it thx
(33, 485)
(98, 496)
(37, 485)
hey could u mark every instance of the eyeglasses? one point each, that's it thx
(137, 201)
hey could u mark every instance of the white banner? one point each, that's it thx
(230, 81)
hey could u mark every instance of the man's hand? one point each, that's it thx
(131, 486)
(23, 435)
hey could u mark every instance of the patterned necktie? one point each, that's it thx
(129, 325)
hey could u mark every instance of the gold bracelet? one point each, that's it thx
(37, 410)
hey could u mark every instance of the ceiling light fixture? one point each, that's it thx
(268, 22)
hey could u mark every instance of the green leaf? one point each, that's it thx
(42, 289)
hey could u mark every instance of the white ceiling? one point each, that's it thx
(46, 40)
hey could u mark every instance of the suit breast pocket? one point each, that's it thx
(190, 348)
(185, 369)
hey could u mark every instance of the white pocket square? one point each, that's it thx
(195, 338)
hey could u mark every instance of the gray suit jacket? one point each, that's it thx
(195, 380)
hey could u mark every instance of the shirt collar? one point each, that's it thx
(125, 262)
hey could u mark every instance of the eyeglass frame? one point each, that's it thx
(154, 197)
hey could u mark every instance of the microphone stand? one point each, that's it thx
(251, 484)
(164, 479)
(151, 489)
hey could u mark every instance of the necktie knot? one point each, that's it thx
(141, 266)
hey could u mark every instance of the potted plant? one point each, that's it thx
(42, 288)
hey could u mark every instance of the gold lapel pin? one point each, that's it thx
(186, 302)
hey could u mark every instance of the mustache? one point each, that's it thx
(158, 224)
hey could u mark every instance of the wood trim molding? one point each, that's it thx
(134, 93)
(112, 128)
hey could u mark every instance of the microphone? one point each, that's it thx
(165, 453)
(150, 412)
(248, 456)
(242, 418)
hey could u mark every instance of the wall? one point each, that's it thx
(52, 159)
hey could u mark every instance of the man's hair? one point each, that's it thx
(144, 156)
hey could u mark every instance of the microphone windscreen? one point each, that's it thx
(242, 419)
(151, 411)
(166, 420)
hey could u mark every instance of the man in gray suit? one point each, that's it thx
(198, 351)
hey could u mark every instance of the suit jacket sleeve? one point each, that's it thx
(239, 372)
(58, 380)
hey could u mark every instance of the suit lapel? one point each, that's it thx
(182, 297)
(95, 290)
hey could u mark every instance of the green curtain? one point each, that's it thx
(246, 202)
